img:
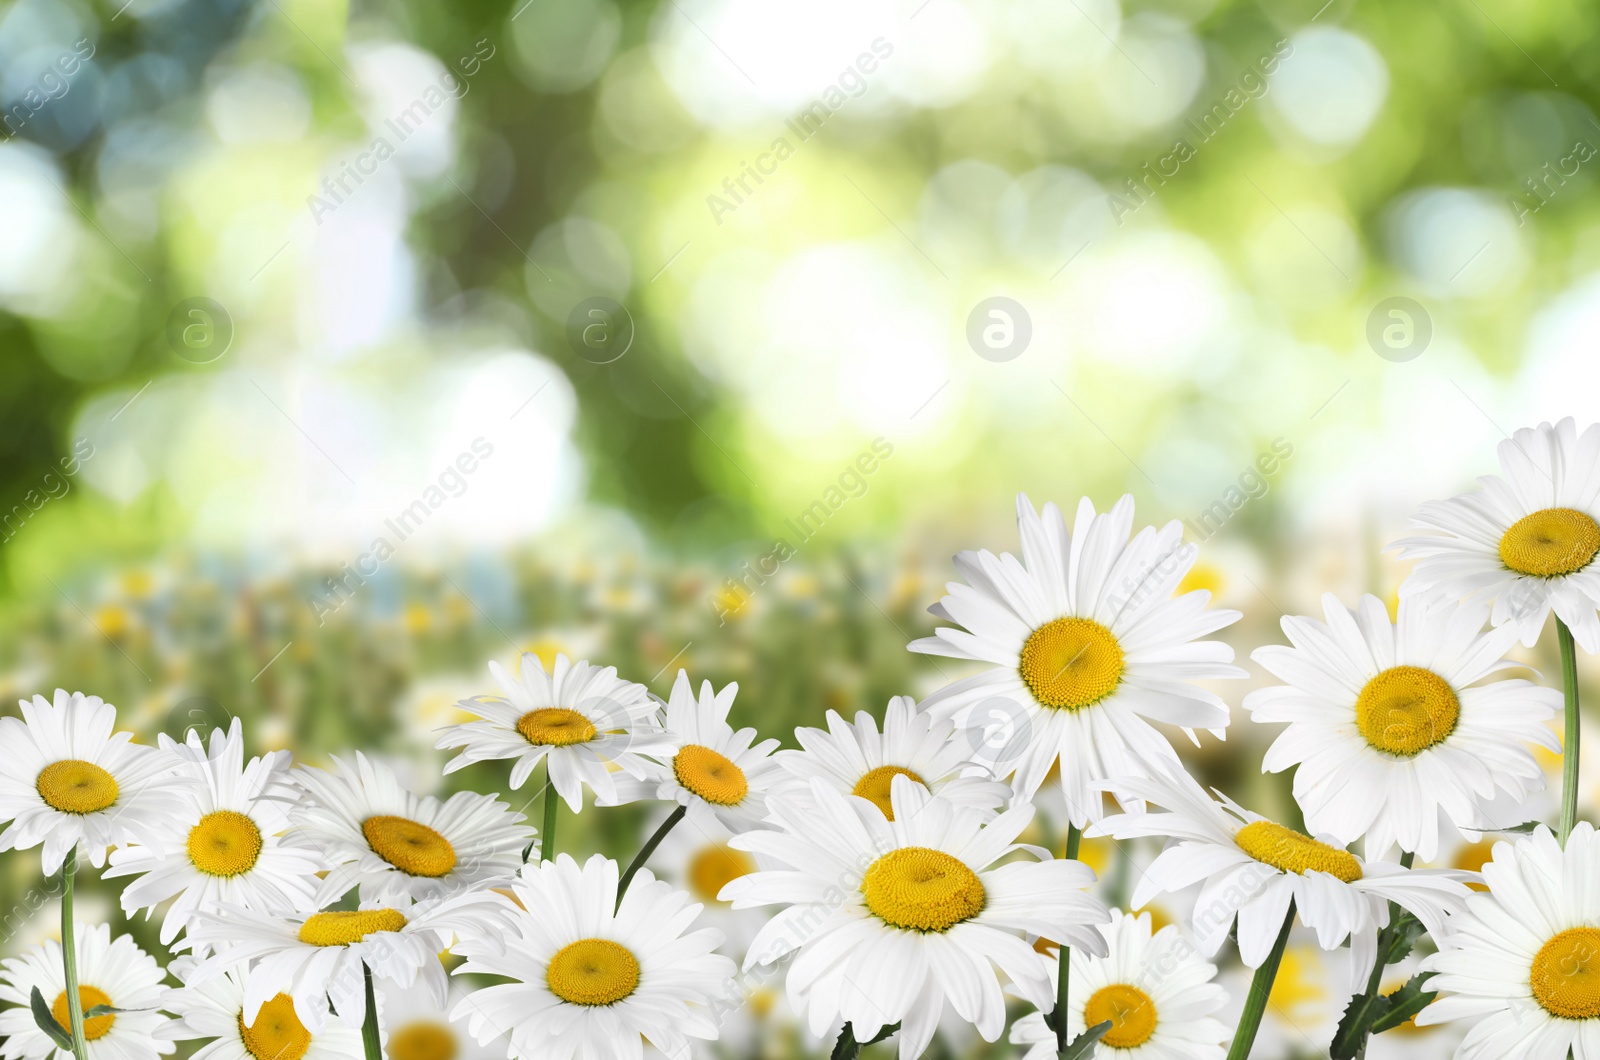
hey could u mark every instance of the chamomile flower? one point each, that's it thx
(225, 846)
(697, 856)
(590, 982)
(1153, 987)
(113, 972)
(1253, 868)
(580, 718)
(855, 759)
(1527, 541)
(1523, 960)
(213, 1011)
(1088, 646)
(1384, 728)
(711, 766)
(419, 1028)
(317, 958)
(66, 780)
(396, 844)
(889, 919)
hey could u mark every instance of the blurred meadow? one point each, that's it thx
(346, 347)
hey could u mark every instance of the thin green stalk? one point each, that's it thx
(369, 1026)
(1386, 937)
(649, 848)
(69, 958)
(547, 837)
(1255, 1003)
(1064, 959)
(1569, 748)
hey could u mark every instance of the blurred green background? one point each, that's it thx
(305, 411)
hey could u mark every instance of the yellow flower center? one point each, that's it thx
(88, 996)
(1550, 543)
(593, 972)
(1405, 710)
(277, 1033)
(224, 843)
(714, 867)
(555, 727)
(423, 1040)
(1130, 1010)
(922, 890)
(1284, 848)
(1566, 974)
(341, 927)
(76, 786)
(1071, 663)
(1473, 857)
(874, 786)
(410, 846)
(710, 775)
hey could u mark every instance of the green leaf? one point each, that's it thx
(1350, 1040)
(1404, 935)
(107, 1010)
(883, 1034)
(1082, 1047)
(1405, 1003)
(1525, 826)
(47, 1022)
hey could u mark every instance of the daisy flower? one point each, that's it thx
(113, 972)
(418, 1027)
(1253, 868)
(857, 760)
(399, 845)
(1384, 728)
(708, 765)
(1523, 961)
(317, 958)
(1088, 646)
(1153, 987)
(213, 1011)
(225, 845)
(66, 780)
(890, 918)
(588, 982)
(1527, 540)
(580, 718)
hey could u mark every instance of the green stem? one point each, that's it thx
(1255, 1002)
(547, 837)
(1064, 958)
(369, 1026)
(1386, 936)
(1569, 748)
(649, 848)
(69, 958)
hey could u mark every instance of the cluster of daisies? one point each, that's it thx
(307, 909)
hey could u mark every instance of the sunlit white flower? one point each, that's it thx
(581, 718)
(594, 979)
(66, 780)
(113, 972)
(225, 845)
(1527, 541)
(1523, 961)
(1153, 987)
(396, 844)
(1384, 729)
(697, 856)
(317, 959)
(1253, 868)
(709, 766)
(855, 759)
(213, 1011)
(889, 919)
(1088, 646)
